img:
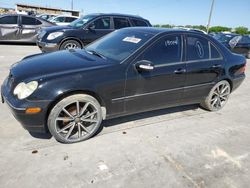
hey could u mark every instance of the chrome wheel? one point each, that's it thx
(217, 97)
(220, 95)
(75, 118)
(70, 46)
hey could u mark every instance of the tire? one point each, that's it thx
(248, 55)
(70, 44)
(75, 118)
(217, 97)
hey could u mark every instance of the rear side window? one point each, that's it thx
(121, 23)
(245, 40)
(8, 20)
(30, 21)
(215, 54)
(137, 22)
(197, 48)
(166, 50)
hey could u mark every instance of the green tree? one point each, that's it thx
(218, 29)
(241, 30)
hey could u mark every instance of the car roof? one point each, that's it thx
(159, 30)
(116, 14)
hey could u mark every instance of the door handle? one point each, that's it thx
(180, 71)
(216, 66)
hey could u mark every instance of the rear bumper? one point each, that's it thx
(31, 122)
(47, 47)
(238, 81)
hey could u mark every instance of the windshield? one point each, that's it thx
(80, 22)
(224, 37)
(119, 44)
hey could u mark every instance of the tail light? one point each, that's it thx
(242, 69)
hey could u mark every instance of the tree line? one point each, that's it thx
(215, 29)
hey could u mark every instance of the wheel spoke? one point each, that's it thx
(66, 127)
(79, 130)
(70, 131)
(68, 113)
(77, 108)
(223, 98)
(89, 115)
(215, 101)
(83, 127)
(64, 119)
(224, 89)
(90, 120)
(84, 108)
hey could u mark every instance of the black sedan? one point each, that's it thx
(85, 30)
(239, 44)
(21, 28)
(131, 70)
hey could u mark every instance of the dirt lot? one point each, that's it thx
(177, 147)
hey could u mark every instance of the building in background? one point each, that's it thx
(24, 8)
(4, 10)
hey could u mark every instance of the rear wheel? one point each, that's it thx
(75, 118)
(217, 97)
(70, 44)
(248, 55)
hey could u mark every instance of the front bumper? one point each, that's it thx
(47, 47)
(31, 122)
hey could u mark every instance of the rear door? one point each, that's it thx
(29, 28)
(204, 64)
(9, 28)
(121, 22)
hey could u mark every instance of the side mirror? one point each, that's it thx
(144, 66)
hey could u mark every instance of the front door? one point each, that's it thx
(9, 28)
(156, 78)
(97, 29)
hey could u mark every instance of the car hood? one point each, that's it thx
(56, 63)
(58, 28)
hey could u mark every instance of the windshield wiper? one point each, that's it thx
(93, 52)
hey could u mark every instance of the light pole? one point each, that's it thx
(72, 4)
(210, 15)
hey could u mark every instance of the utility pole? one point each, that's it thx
(72, 4)
(210, 15)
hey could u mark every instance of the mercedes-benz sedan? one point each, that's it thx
(131, 70)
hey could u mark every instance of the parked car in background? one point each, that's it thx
(62, 20)
(21, 28)
(236, 43)
(129, 71)
(85, 30)
(46, 16)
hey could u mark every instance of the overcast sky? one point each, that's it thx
(230, 13)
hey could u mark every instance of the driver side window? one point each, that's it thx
(101, 23)
(166, 50)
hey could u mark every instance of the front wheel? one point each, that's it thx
(217, 97)
(70, 44)
(75, 118)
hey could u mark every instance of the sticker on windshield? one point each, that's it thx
(132, 40)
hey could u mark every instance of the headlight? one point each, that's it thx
(23, 90)
(54, 35)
